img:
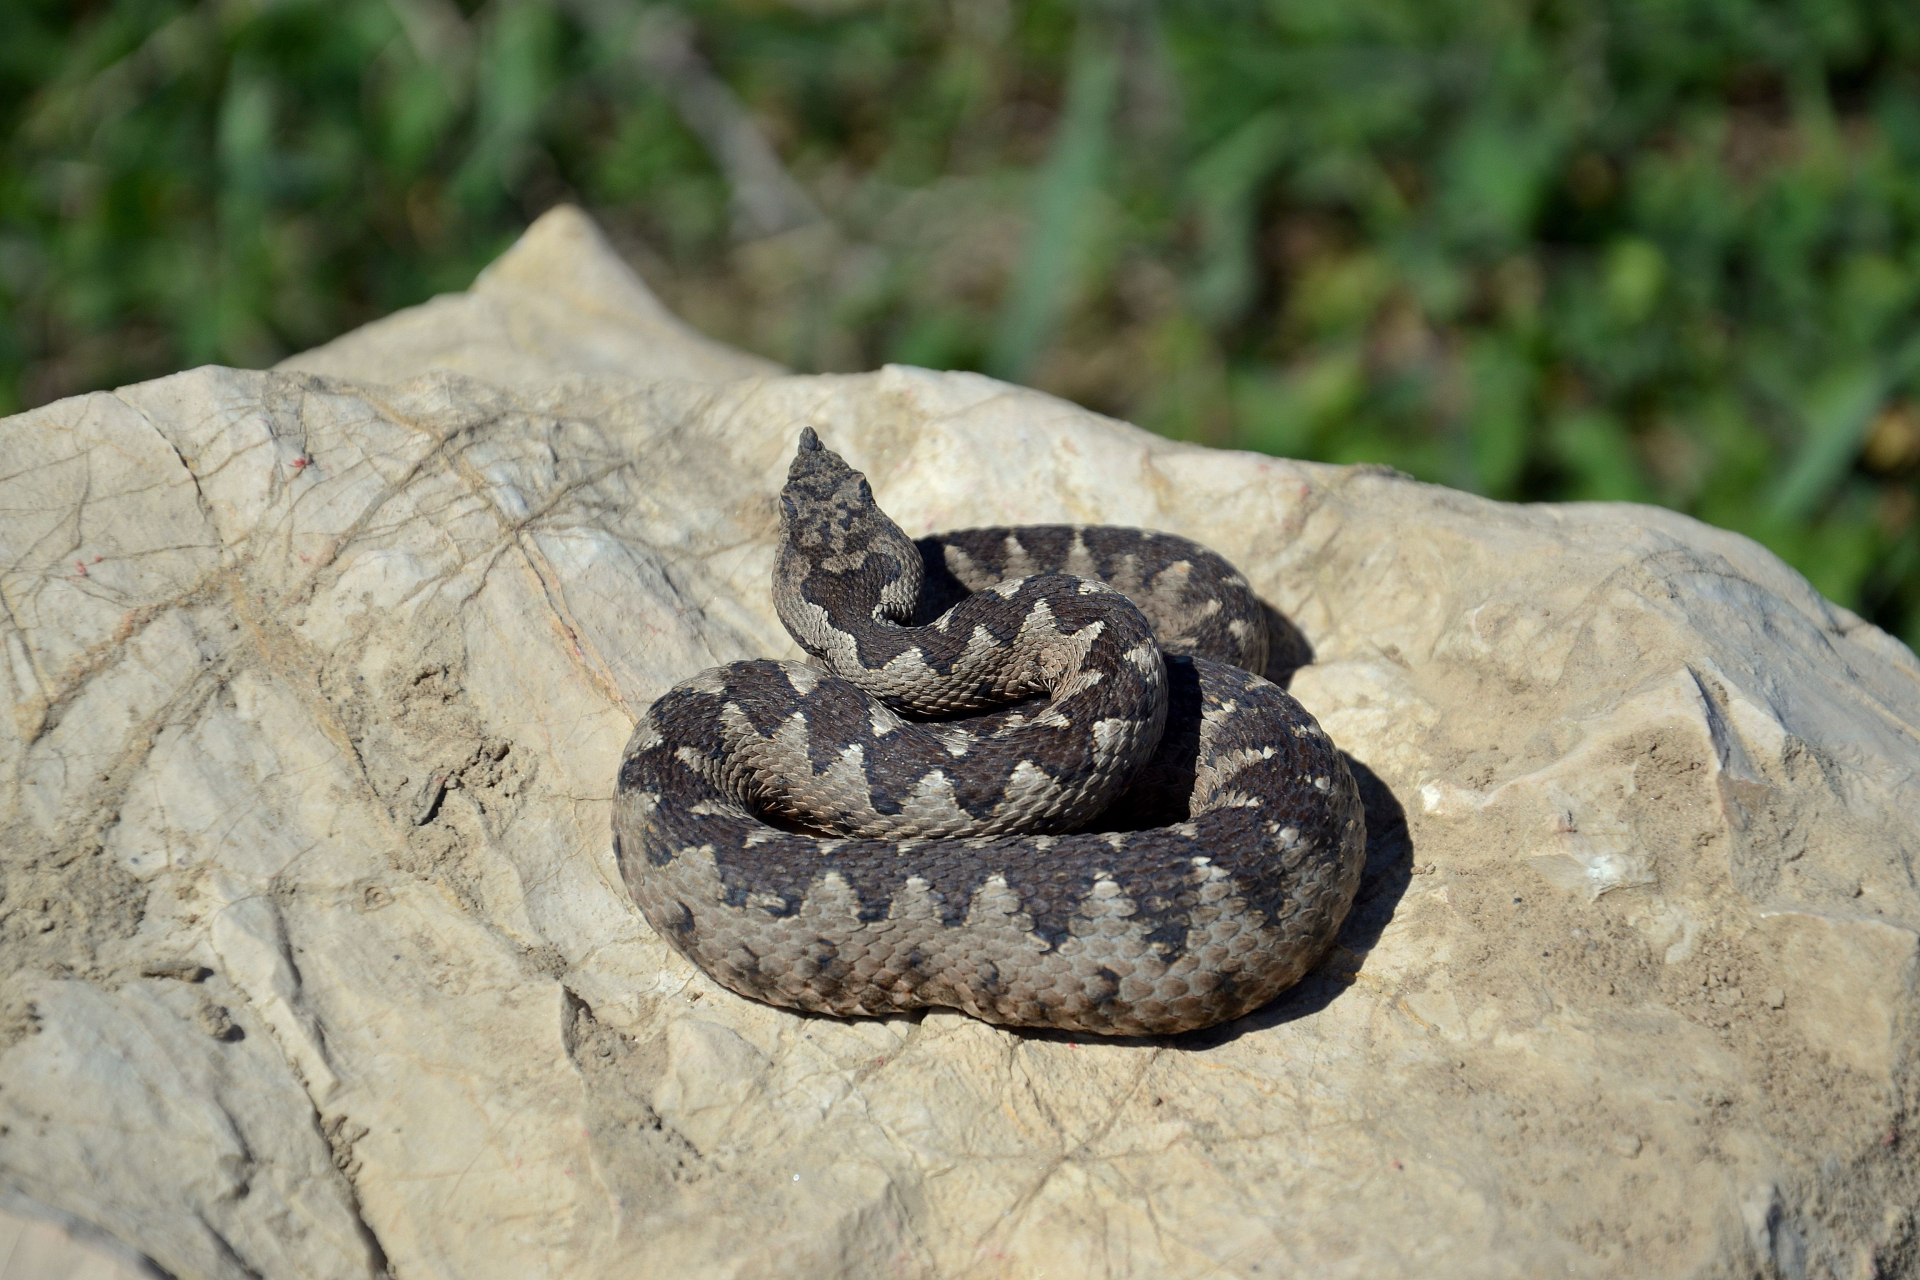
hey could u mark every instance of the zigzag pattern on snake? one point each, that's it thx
(1023, 775)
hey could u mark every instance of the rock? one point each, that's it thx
(319, 965)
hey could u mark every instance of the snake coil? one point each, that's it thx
(1028, 774)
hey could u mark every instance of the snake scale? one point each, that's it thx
(1028, 774)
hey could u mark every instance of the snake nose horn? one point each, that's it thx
(815, 464)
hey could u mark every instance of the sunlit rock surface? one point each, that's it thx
(318, 964)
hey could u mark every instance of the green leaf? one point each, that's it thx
(1497, 424)
(1634, 274)
(1063, 200)
(1838, 412)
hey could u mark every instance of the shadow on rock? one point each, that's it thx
(1287, 648)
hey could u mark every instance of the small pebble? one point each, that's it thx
(1775, 997)
(427, 803)
(217, 1022)
(182, 970)
(1627, 1144)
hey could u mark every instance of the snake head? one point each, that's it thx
(838, 550)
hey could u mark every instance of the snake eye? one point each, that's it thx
(788, 511)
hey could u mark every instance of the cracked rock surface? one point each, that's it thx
(317, 963)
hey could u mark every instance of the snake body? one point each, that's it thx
(1024, 775)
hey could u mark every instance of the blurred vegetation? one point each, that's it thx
(1655, 250)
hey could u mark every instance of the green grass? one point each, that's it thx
(1655, 250)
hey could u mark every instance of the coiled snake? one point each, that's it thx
(1024, 776)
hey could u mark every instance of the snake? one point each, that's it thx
(1029, 773)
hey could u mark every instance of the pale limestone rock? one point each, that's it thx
(319, 962)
